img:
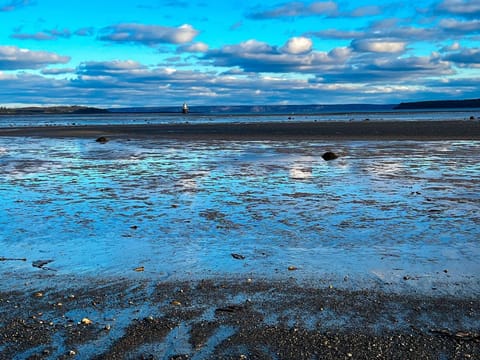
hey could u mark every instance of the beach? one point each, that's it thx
(397, 130)
(240, 241)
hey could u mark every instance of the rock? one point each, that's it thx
(176, 303)
(291, 268)
(230, 309)
(86, 321)
(139, 269)
(329, 155)
(41, 263)
(238, 256)
(102, 140)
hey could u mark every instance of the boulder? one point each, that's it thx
(102, 140)
(329, 155)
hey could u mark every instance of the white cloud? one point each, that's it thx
(14, 58)
(460, 7)
(298, 45)
(198, 47)
(453, 25)
(378, 45)
(150, 35)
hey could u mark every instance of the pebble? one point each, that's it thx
(86, 321)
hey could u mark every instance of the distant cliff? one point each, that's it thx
(440, 104)
(51, 110)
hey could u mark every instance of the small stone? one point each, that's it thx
(38, 294)
(238, 256)
(176, 303)
(292, 268)
(72, 353)
(107, 327)
(139, 269)
(86, 321)
(349, 354)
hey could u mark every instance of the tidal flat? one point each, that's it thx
(202, 248)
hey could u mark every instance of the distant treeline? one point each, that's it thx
(440, 104)
(51, 110)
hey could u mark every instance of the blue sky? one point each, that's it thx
(165, 52)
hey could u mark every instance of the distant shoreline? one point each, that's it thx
(365, 130)
(247, 109)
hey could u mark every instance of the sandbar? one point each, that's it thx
(362, 130)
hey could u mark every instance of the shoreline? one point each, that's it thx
(365, 130)
(232, 319)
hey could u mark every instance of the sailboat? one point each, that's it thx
(185, 108)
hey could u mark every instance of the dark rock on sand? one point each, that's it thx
(238, 256)
(329, 155)
(102, 140)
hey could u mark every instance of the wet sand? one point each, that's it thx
(233, 319)
(56, 317)
(399, 130)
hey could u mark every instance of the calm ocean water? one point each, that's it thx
(168, 118)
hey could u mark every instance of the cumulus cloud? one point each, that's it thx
(198, 47)
(14, 58)
(453, 47)
(15, 5)
(458, 26)
(391, 70)
(295, 56)
(465, 57)
(467, 8)
(150, 35)
(294, 9)
(298, 45)
(378, 45)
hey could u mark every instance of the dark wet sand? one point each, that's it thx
(467, 130)
(234, 319)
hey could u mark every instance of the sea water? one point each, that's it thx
(399, 213)
(174, 118)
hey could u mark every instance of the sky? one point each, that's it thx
(232, 52)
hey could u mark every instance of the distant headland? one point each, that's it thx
(440, 104)
(51, 110)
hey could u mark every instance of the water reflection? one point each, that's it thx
(181, 208)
